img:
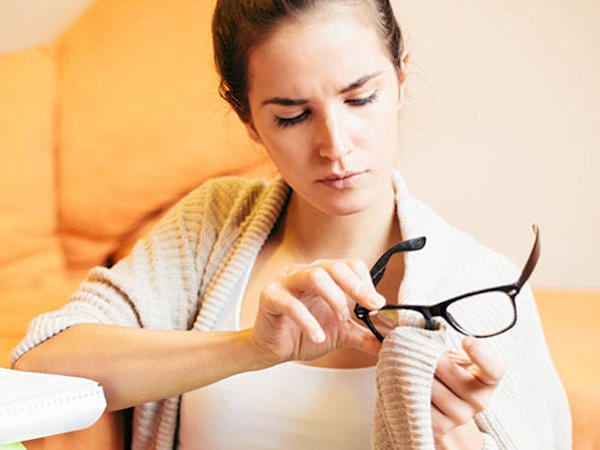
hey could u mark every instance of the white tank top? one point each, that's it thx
(290, 406)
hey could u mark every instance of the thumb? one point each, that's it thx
(488, 369)
(361, 338)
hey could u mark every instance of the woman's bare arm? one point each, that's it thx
(139, 365)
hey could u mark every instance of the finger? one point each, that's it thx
(316, 280)
(455, 408)
(361, 338)
(276, 300)
(458, 358)
(486, 367)
(458, 378)
(360, 269)
(359, 286)
(440, 423)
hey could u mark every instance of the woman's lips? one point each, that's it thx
(343, 181)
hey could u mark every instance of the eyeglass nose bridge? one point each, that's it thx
(429, 314)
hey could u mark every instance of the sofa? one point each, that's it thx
(104, 129)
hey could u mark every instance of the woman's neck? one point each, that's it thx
(312, 234)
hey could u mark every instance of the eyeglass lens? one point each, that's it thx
(483, 314)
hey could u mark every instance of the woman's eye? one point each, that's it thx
(361, 101)
(289, 121)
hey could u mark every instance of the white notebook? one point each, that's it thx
(34, 405)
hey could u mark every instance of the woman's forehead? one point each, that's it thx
(323, 49)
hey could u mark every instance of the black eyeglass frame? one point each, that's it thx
(440, 309)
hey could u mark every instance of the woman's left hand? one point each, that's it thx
(462, 388)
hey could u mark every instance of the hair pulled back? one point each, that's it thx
(240, 25)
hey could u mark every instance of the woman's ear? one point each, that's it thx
(405, 59)
(401, 72)
(252, 133)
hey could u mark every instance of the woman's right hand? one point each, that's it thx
(307, 312)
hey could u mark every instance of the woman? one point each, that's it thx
(231, 325)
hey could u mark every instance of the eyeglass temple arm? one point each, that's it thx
(534, 255)
(380, 265)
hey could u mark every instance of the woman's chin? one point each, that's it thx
(346, 206)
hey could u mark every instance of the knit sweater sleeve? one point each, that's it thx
(404, 377)
(529, 408)
(158, 284)
(176, 276)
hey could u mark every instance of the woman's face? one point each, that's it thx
(324, 99)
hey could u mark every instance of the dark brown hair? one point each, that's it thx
(239, 25)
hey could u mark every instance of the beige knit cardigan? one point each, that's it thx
(181, 276)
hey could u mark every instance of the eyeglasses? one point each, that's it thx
(483, 313)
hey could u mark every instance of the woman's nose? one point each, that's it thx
(332, 139)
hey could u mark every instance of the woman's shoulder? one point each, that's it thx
(231, 187)
(222, 195)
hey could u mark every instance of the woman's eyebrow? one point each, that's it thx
(360, 82)
(285, 101)
(282, 101)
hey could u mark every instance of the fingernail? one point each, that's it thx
(318, 336)
(468, 341)
(378, 301)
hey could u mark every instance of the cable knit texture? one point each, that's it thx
(181, 277)
(404, 377)
(405, 372)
